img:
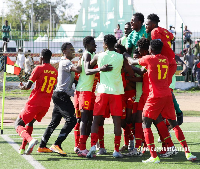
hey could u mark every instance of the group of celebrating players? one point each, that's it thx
(133, 76)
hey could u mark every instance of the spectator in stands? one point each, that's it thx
(5, 35)
(189, 60)
(196, 70)
(29, 65)
(173, 31)
(118, 32)
(20, 62)
(197, 47)
(187, 36)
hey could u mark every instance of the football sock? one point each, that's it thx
(180, 136)
(117, 142)
(138, 135)
(164, 133)
(77, 134)
(82, 144)
(130, 133)
(150, 141)
(23, 133)
(101, 136)
(29, 129)
(94, 139)
(126, 135)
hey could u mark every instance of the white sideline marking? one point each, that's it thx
(29, 158)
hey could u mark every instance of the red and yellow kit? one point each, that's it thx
(45, 78)
(159, 99)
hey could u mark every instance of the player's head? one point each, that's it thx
(143, 46)
(155, 46)
(89, 44)
(120, 48)
(6, 22)
(127, 29)
(68, 50)
(45, 56)
(152, 22)
(137, 21)
(109, 42)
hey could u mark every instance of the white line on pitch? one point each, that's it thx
(29, 158)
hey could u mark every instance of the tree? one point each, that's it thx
(21, 13)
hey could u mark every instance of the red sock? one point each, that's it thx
(130, 126)
(23, 133)
(101, 136)
(138, 135)
(29, 129)
(117, 142)
(164, 146)
(150, 141)
(82, 144)
(163, 131)
(94, 139)
(77, 134)
(126, 137)
(180, 136)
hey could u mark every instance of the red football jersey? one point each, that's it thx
(45, 78)
(145, 84)
(157, 70)
(165, 36)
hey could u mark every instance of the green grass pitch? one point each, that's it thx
(9, 158)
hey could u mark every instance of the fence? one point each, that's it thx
(37, 40)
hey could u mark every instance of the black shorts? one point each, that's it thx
(5, 39)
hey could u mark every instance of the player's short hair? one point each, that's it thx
(64, 46)
(121, 47)
(110, 40)
(154, 18)
(156, 45)
(128, 23)
(143, 43)
(46, 53)
(87, 40)
(140, 16)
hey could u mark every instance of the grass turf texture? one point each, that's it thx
(9, 158)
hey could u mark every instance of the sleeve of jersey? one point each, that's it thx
(129, 41)
(34, 75)
(143, 61)
(67, 66)
(155, 34)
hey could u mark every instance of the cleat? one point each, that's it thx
(170, 152)
(44, 150)
(57, 149)
(152, 160)
(31, 145)
(97, 146)
(190, 157)
(123, 148)
(82, 153)
(76, 149)
(117, 154)
(134, 152)
(91, 153)
(179, 118)
(101, 151)
(131, 145)
(21, 151)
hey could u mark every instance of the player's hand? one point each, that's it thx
(183, 73)
(21, 86)
(106, 68)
